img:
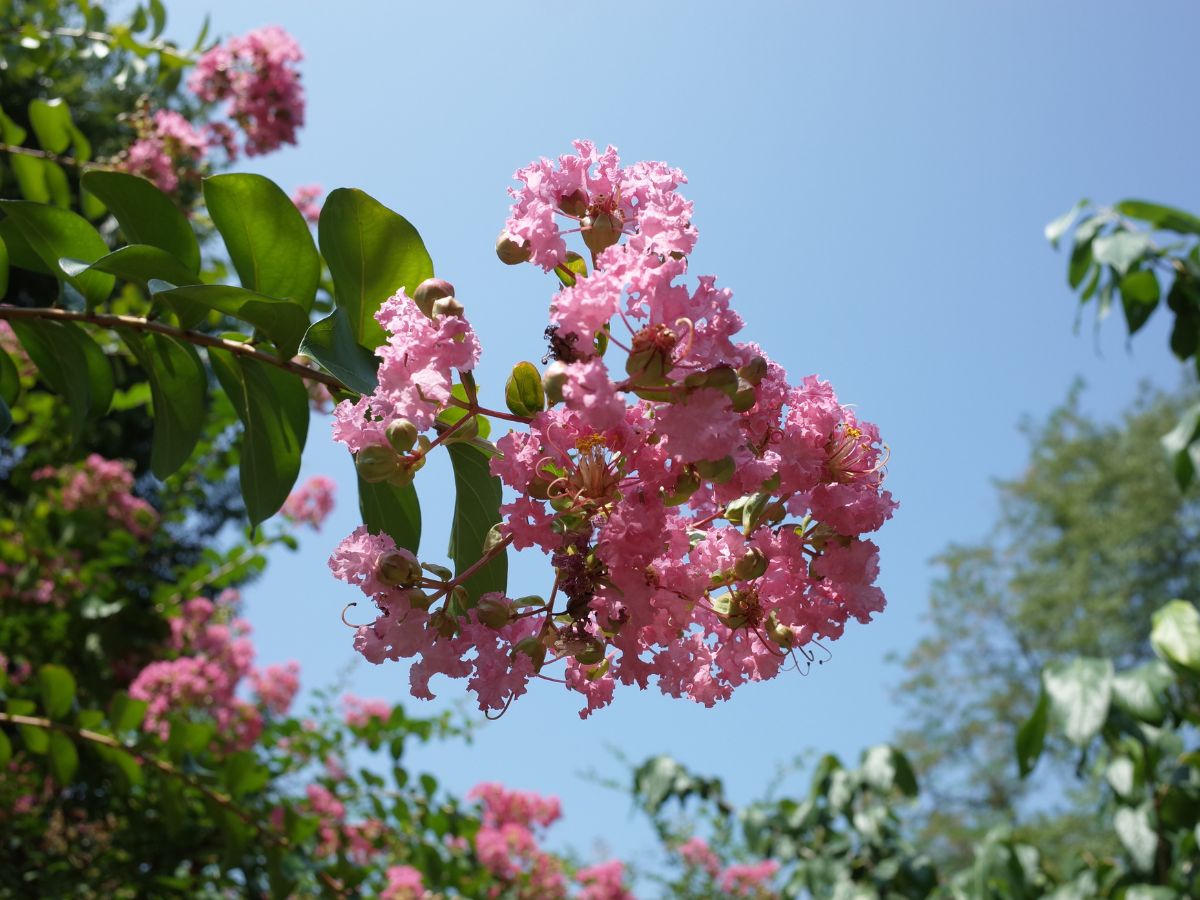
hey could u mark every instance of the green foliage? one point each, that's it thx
(476, 510)
(146, 215)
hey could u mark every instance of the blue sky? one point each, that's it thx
(871, 180)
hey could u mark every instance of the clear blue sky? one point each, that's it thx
(871, 179)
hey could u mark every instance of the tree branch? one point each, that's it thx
(134, 323)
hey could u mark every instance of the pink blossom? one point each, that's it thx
(166, 148)
(696, 852)
(749, 880)
(603, 881)
(403, 883)
(256, 74)
(305, 198)
(311, 502)
(276, 686)
(360, 712)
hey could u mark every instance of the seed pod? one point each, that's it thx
(574, 204)
(443, 623)
(751, 565)
(447, 306)
(495, 611)
(553, 380)
(429, 290)
(534, 649)
(745, 396)
(512, 252)
(716, 470)
(602, 230)
(401, 434)
(754, 371)
(685, 486)
(398, 567)
(376, 463)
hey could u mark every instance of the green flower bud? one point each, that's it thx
(574, 204)
(376, 463)
(405, 472)
(465, 432)
(685, 486)
(553, 380)
(534, 649)
(716, 470)
(602, 230)
(512, 252)
(779, 633)
(721, 378)
(428, 291)
(401, 434)
(752, 564)
(754, 371)
(443, 623)
(495, 611)
(591, 653)
(398, 567)
(416, 599)
(447, 306)
(745, 396)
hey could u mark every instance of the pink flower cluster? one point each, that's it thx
(311, 502)
(603, 881)
(703, 515)
(215, 658)
(105, 485)
(360, 712)
(403, 883)
(506, 843)
(256, 74)
(306, 200)
(166, 148)
(736, 880)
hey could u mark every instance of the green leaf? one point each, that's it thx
(17, 247)
(1121, 249)
(1136, 833)
(244, 774)
(1056, 229)
(1182, 444)
(267, 238)
(10, 389)
(476, 509)
(282, 321)
(53, 233)
(1161, 217)
(51, 121)
(125, 713)
(1079, 692)
(3, 269)
(330, 341)
(394, 511)
(1031, 737)
(5, 749)
(1121, 776)
(146, 215)
(64, 758)
(58, 690)
(72, 364)
(1081, 262)
(572, 270)
(1175, 634)
(885, 768)
(523, 392)
(1139, 297)
(273, 407)
(136, 262)
(372, 252)
(35, 738)
(178, 386)
(1140, 691)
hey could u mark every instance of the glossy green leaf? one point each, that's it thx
(476, 509)
(885, 768)
(1175, 634)
(1081, 262)
(1056, 229)
(72, 364)
(10, 379)
(5, 749)
(330, 341)
(179, 387)
(64, 758)
(125, 713)
(1141, 691)
(273, 407)
(146, 215)
(1162, 217)
(137, 262)
(1080, 692)
(282, 321)
(266, 236)
(1135, 830)
(390, 510)
(51, 121)
(572, 270)
(1031, 736)
(524, 393)
(1121, 249)
(20, 254)
(3, 268)
(1139, 297)
(57, 686)
(53, 233)
(372, 252)
(35, 738)
(1182, 444)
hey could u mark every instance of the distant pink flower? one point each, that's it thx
(603, 881)
(403, 883)
(696, 852)
(256, 74)
(360, 712)
(749, 880)
(305, 198)
(167, 147)
(311, 502)
(276, 686)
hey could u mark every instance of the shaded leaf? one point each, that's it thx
(330, 341)
(64, 758)
(72, 364)
(476, 509)
(146, 215)
(179, 387)
(1139, 297)
(54, 233)
(1031, 737)
(137, 262)
(394, 511)
(57, 687)
(281, 321)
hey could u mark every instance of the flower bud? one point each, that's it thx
(779, 633)
(754, 371)
(447, 306)
(512, 252)
(416, 599)
(495, 611)
(716, 470)
(401, 434)
(574, 204)
(428, 291)
(685, 486)
(465, 432)
(553, 380)
(376, 463)
(721, 378)
(398, 567)
(590, 653)
(602, 230)
(534, 649)
(752, 564)
(745, 396)
(405, 472)
(443, 623)
(650, 358)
